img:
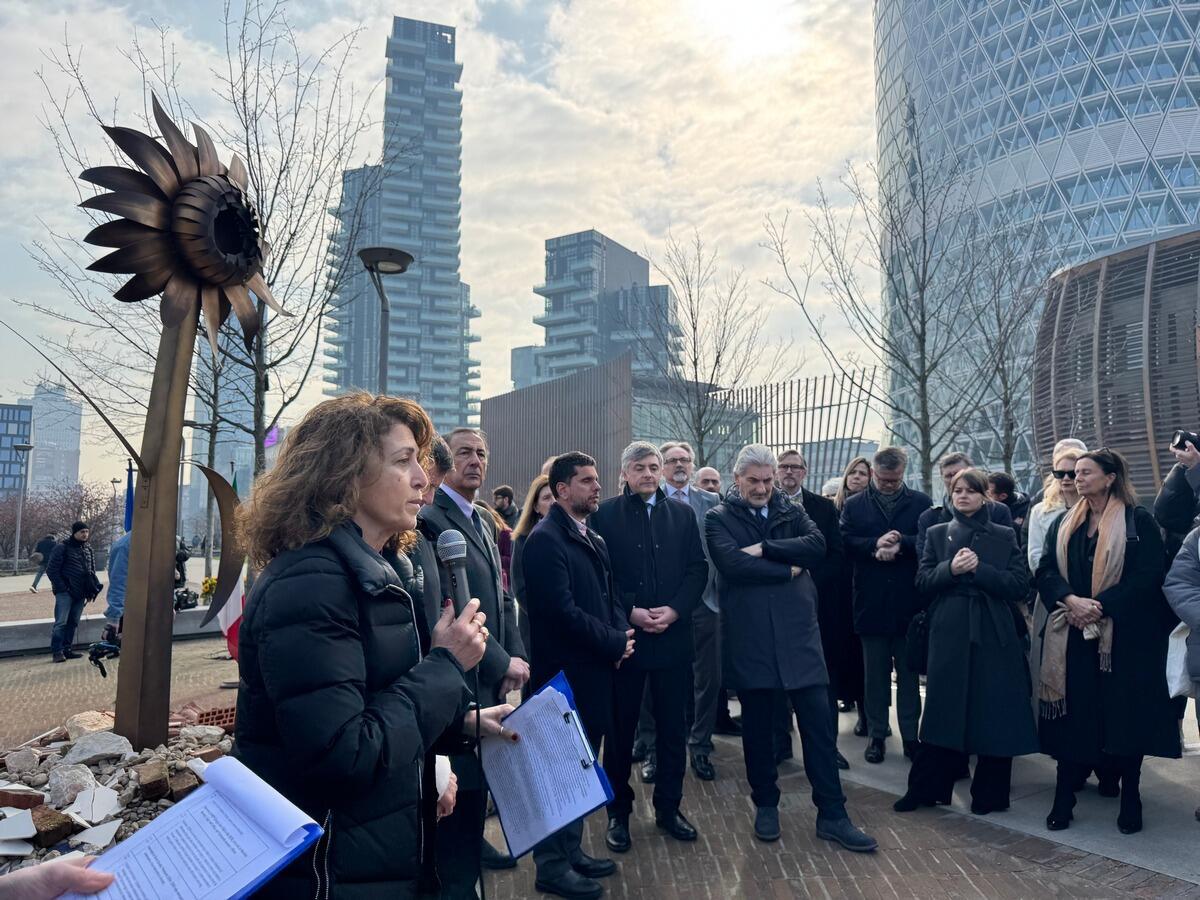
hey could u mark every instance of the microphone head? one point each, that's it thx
(451, 546)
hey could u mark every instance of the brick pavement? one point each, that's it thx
(927, 854)
(36, 694)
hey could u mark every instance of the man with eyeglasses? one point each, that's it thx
(792, 470)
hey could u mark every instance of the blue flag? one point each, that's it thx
(129, 498)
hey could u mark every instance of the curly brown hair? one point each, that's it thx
(324, 462)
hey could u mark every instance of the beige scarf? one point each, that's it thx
(1106, 572)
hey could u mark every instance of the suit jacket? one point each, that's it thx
(576, 623)
(484, 577)
(657, 560)
(885, 596)
(701, 501)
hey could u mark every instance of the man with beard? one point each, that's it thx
(763, 546)
(577, 626)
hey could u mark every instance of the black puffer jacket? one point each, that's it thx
(339, 711)
(72, 570)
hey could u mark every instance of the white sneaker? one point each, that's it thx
(32, 589)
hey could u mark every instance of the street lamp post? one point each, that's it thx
(116, 526)
(24, 450)
(380, 261)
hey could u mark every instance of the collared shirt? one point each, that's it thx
(682, 494)
(650, 503)
(762, 511)
(465, 506)
(582, 526)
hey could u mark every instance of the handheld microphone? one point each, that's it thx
(452, 553)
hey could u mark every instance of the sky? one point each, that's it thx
(640, 119)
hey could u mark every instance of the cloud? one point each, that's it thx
(630, 117)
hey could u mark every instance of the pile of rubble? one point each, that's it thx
(81, 788)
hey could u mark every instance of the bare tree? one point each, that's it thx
(903, 271)
(52, 511)
(296, 119)
(711, 341)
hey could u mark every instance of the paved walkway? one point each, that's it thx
(36, 694)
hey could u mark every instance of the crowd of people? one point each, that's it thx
(1038, 624)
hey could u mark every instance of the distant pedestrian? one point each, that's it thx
(42, 551)
(504, 502)
(72, 572)
(118, 573)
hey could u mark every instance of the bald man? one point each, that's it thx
(709, 479)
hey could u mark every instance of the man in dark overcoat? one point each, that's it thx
(577, 626)
(660, 573)
(762, 546)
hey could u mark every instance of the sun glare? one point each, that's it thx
(747, 31)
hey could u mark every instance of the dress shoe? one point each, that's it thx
(910, 749)
(1059, 821)
(639, 752)
(702, 767)
(842, 831)
(591, 867)
(860, 727)
(71, 654)
(727, 726)
(617, 837)
(766, 823)
(1061, 813)
(491, 858)
(570, 884)
(982, 809)
(649, 770)
(910, 802)
(846, 706)
(674, 824)
(58, 657)
(875, 751)
(842, 762)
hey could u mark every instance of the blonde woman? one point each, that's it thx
(1058, 496)
(855, 478)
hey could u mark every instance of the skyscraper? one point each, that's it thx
(412, 203)
(16, 427)
(1078, 119)
(599, 303)
(57, 424)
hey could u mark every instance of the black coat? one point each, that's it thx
(769, 633)
(657, 560)
(977, 696)
(885, 596)
(576, 623)
(1125, 712)
(839, 644)
(338, 711)
(517, 579)
(940, 515)
(45, 547)
(72, 570)
(1177, 505)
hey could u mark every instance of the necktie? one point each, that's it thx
(478, 525)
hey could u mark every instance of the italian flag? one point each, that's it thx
(229, 616)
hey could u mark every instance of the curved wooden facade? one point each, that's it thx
(1116, 358)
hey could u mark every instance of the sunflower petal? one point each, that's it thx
(118, 178)
(238, 174)
(149, 156)
(210, 305)
(179, 299)
(148, 255)
(209, 164)
(136, 207)
(258, 284)
(182, 152)
(143, 286)
(243, 307)
(119, 233)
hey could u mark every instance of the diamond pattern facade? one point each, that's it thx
(1079, 119)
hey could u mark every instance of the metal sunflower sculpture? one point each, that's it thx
(188, 232)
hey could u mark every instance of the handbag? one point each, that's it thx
(1179, 681)
(916, 644)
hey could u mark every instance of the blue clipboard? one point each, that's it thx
(587, 760)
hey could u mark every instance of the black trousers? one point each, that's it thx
(811, 706)
(934, 769)
(552, 856)
(669, 694)
(459, 839)
(783, 718)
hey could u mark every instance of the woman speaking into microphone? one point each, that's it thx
(345, 690)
